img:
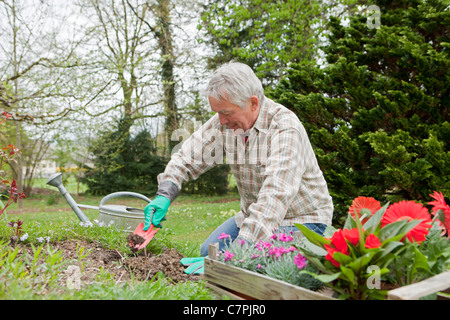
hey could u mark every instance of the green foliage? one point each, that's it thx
(125, 163)
(27, 275)
(284, 270)
(154, 289)
(36, 274)
(377, 113)
(350, 263)
(417, 262)
(267, 35)
(212, 182)
(275, 258)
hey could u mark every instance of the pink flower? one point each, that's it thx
(258, 266)
(282, 237)
(228, 256)
(242, 241)
(285, 238)
(223, 235)
(274, 252)
(300, 261)
(263, 245)
(278, 252)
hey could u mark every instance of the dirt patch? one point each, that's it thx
(121, 266)
(168, 263)
(135, 240)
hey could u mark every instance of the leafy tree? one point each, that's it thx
(125, 163)
(377, 113)
(212, 182)
(264, 34)
(267, 35)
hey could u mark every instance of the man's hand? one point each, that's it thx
(155, 212)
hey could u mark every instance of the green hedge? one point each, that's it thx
(378, 112)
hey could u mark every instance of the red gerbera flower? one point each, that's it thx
(441, 204)
(409, 210)
(360, 203)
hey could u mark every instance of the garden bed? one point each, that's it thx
(122, 267)
(238, 283)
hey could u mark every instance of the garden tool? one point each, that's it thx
(125, 217)
(146, 235)
(194, 265)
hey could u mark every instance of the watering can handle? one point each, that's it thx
(123, 193)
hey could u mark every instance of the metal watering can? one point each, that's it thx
(126, 218)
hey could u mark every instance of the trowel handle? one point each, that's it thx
(122, 194)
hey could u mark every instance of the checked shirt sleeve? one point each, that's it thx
(200, 152)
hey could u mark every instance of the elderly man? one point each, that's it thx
(270, 155)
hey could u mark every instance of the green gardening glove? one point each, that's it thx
(194, 265)
(155, 212)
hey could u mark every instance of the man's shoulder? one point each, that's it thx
(280, 117)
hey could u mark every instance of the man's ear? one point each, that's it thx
(255, 102)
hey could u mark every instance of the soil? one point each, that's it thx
(121, 266)
(135, 240)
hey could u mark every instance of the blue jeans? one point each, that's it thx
(230, 227)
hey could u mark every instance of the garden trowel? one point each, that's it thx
(140, 238)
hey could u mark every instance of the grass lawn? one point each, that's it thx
(190, 220)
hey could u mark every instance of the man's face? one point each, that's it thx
(233, 116)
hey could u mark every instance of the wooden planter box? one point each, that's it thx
(243, 284)
(239, 283)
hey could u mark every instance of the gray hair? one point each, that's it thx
(235, 82)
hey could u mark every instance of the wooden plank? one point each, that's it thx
(414, 291)
(220, 291)
(239, 283)
(256, 285)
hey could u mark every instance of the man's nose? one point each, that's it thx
(222, 120)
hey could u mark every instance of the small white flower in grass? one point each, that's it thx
(86, 224)
(99, 223)
(43, 239)
(24, 237)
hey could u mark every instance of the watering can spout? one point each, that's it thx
(56, 181)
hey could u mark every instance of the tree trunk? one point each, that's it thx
(165, 41)
(19, 179)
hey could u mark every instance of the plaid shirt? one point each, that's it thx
(276, 170)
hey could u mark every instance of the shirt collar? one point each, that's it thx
(262, 123)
